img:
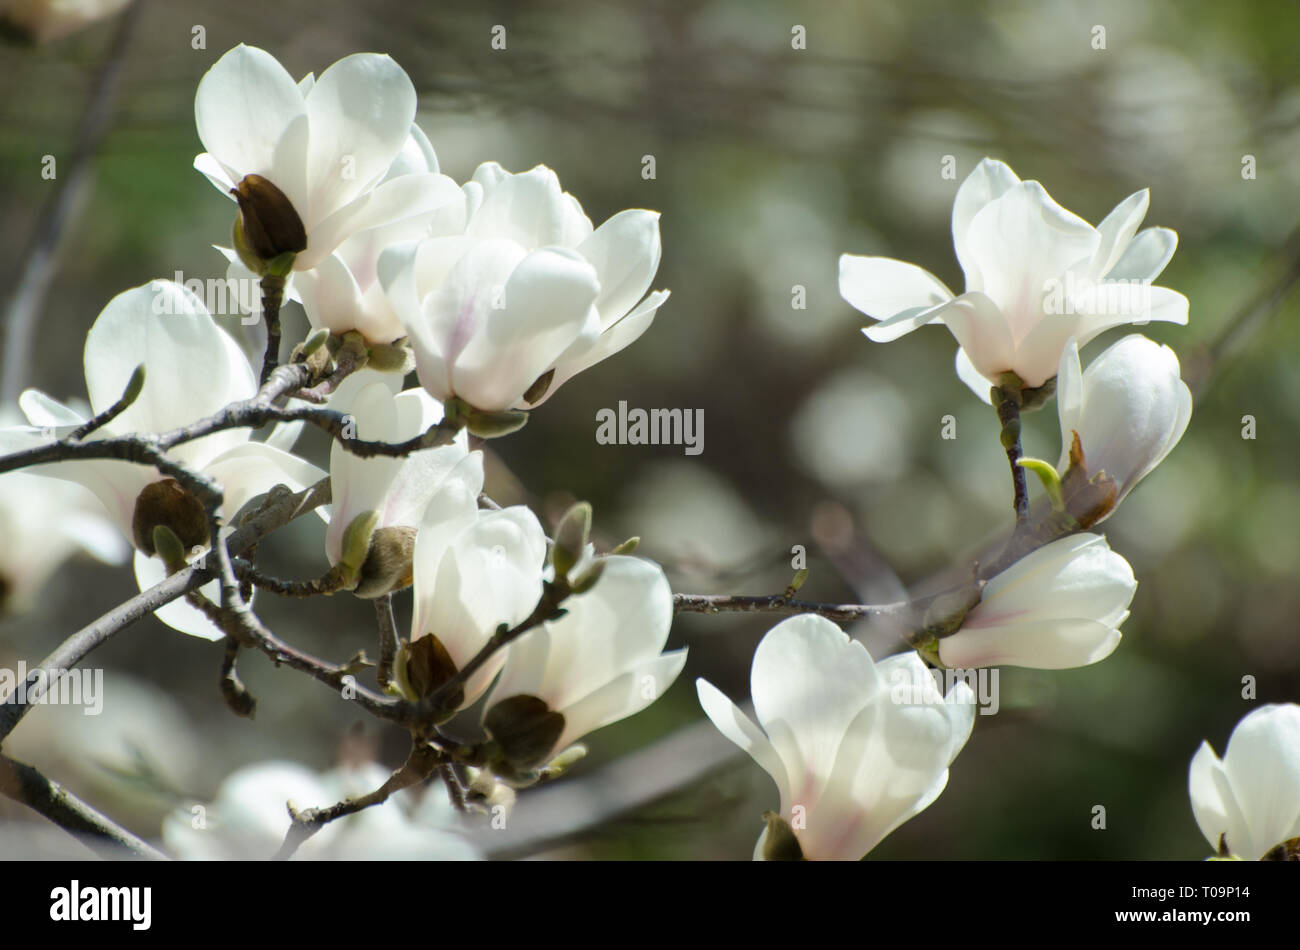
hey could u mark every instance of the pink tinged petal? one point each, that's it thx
(395, 200)
(421, 472)
(809, 681)
(547, 306)
(361, 110)
(625, 251)
(622, 334)
(1262, 763)
(1146, 256)
(1022, 241)
(740, 729)
(179, 615)
(1117, 230)
(898, 294)
(243, 107)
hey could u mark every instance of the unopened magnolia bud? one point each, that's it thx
(169, 548)
(628, 546)
(315, 340)
(387, 567)
(564, 761)
(525, 729)
(165, 502)
(134, 385)
(355, 547)
(780, 843)
(587, 579)
(493, 425)
(395, 357)
(268, 226)
(424, 665)
(571, 538)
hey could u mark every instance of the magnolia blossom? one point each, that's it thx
(45, 521)
(248, 819)
(473, 571)
(1250, 799)
(853, 755)
(1130, 407)
(1058, 607)
(1036, 275)
(192, 369)
(328, 144)
(395, 490)
(528, 296)
(343, 292)
(599, 663)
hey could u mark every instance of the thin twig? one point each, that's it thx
(419, 765)
(387, 639)
(778, 604)
(29, 787)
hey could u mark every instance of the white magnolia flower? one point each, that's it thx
(329, 144)
(45, 521)
(528, 289)
(599, 663)
(396, 490)
(473, 571)
(1251, 798)
(1036, 275)
(192, 370)
(343, 292)
(1058, 607)
(1130, 408)
(852, 755)
(248, 819)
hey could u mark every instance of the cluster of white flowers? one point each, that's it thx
(499, 291)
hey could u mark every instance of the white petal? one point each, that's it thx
(1146, 255)
(989, 181)
(179, 615)
(740, 729)
(625, 251)
(1117, 230)
(892, 291)
(1262, 763)
(626, 695)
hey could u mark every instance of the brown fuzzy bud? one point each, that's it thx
(167, 503)
(268, 224)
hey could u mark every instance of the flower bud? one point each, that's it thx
(779, 842)
(166, 503)
(268, 227)
(387, 567)
(525, 730)
(570, 538)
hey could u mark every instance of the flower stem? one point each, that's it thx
(272, 297)
(1007, 398)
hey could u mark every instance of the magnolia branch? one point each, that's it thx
(422, 762)
(29, 787)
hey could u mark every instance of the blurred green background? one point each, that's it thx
(770, 162)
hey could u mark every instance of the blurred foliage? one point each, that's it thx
(770, 162)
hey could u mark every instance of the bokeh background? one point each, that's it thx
(769, 162)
